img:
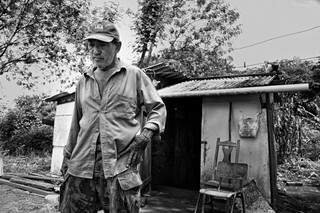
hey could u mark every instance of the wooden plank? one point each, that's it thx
(33, 183)
(227, 143)
(8, 176)
(26, 188)
(35, 177)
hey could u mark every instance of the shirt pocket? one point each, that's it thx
(123, 107)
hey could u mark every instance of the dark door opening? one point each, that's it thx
(176, 158)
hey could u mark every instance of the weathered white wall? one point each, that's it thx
(62, 124)
(253, 151)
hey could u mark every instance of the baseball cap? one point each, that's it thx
(103, 31)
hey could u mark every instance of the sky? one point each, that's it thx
(265, 19)
(260, 20)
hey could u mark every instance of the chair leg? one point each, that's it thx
(233, 203)
(239, 195)
(243, 203)
(203, 203)
(211, 202)
(227, 206)
(197, 204)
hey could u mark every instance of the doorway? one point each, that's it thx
(176, 157)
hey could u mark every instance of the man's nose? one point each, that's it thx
(96, 50)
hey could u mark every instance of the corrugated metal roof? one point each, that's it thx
(165, 70)
(217, 84)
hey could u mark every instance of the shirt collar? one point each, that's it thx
(118, 66)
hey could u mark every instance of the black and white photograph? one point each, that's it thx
(158, 106)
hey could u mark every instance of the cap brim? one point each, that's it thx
(99, 37)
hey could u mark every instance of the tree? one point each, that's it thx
(195, 33)
(31, 31)
(44, 38)
(296, 115)
(149, 23)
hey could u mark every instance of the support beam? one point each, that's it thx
(272, 151)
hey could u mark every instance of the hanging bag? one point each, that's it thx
(249, 126)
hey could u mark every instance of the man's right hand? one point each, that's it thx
(138, 146)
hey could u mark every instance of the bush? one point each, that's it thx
(312, 149)
(296, 115)
(37, 139)
(21, 130)
(7, 125)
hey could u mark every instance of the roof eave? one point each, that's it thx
(236, 91)
(59, 96)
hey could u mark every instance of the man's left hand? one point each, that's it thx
(138, 146)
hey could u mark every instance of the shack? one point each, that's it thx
(202, 110)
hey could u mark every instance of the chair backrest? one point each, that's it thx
(234, 173)
(227, 147)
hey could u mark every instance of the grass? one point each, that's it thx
(27, 164)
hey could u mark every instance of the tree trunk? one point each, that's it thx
(143, 54)
(149, 54)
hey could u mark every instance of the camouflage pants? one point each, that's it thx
(90, 195)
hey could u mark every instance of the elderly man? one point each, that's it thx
(107, 139)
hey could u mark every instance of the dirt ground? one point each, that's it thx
(14, 200)
(162, 200)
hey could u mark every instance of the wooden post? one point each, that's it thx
(229, 121)
(272, 151)
(1, 165)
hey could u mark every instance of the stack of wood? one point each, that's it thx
(38, 184)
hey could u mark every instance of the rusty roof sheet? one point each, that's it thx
(219, 83)
(165, 70)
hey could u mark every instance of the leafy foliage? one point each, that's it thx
(149, 24)
(300, 169)
(195, 33)
(43, 39)
(31, 31)
(296, 115)
(21, 129)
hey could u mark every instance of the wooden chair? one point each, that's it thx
(228, 179)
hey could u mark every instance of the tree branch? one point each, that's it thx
(17, 60)
(15, 31)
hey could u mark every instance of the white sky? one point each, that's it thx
(260, 19)
(265, 19)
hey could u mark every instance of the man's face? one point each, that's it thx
(103, 54)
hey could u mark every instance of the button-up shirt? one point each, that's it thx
(114, 116)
